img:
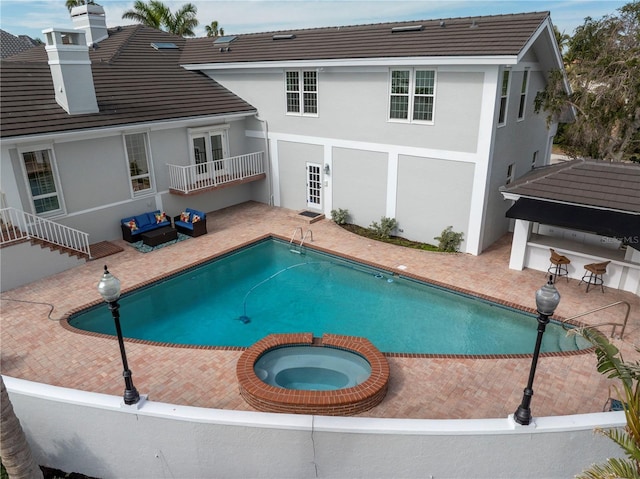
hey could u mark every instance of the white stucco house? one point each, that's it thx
(418, 121)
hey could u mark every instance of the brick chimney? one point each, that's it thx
(91, 20)
(71, 70)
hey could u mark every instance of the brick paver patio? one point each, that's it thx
(38, 348)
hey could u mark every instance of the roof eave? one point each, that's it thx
(74, 135)
(356, 62)
(516, 197)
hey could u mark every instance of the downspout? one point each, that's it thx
(265, 127)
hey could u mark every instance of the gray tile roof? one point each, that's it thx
(490, 35)
(12, 45)
(134, 83)
(584, 182)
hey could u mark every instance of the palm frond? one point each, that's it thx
(610, 362)
(613, 468)
(622, 438)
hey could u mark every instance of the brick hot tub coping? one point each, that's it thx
(339, 402)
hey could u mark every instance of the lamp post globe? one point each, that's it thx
(109, 289)
(109, 286)
(547, 300)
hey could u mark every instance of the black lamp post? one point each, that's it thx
(547, 300)
(109, 289)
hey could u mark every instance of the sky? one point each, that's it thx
(30, 17)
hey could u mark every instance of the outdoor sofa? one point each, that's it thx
(134, 226)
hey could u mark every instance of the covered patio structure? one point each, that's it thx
(587, 210)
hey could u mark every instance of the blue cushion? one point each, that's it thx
(199, 213)
(184, 224)
(142, 220)
(151, 216)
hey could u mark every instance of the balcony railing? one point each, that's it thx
(212, 174)
(16, 225)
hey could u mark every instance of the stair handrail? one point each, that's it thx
(613, 330)
(16, 225)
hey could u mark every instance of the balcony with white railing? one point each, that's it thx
(17, 225)
(207, 176)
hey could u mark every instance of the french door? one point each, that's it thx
(314, 186)
(200, 157)
(208, 146)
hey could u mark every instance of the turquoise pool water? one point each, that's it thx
(265, 288)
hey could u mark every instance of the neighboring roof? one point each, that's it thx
(134, 83)
(599, 184)
(12, 45)
(470, 36)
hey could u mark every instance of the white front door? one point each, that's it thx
(314, 186)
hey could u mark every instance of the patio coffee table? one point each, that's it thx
(159, 236)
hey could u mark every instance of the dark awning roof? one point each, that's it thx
(624, 226)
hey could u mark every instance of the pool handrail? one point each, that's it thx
(613, 330)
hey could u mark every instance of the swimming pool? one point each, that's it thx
(265, 288)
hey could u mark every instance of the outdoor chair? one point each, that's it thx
(593, 275)
(558, 265)
(191, 222)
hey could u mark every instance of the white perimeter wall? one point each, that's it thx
(96, 435)
(22, 263)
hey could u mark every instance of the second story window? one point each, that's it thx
(523, 94)
(302, 92)
(504, 97)
(139, 163)
(412, 95)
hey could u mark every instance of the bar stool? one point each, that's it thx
(558, 265)
(594, 274)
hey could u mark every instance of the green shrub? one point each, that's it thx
(384, 229)
(449, 240)
(340, 216)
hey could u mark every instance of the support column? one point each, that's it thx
(521, 232)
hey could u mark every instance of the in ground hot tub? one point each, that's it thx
(312, 368)
(297, 373)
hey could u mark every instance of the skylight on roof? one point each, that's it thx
(224, 40)
(408, 28)
(164, 46)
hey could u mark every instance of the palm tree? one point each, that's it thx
(183, 21)
(612, 364)
(77, 3)
(156, 14)
(151, 14)
(561, 38)
(213, 30)
(14, 448)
